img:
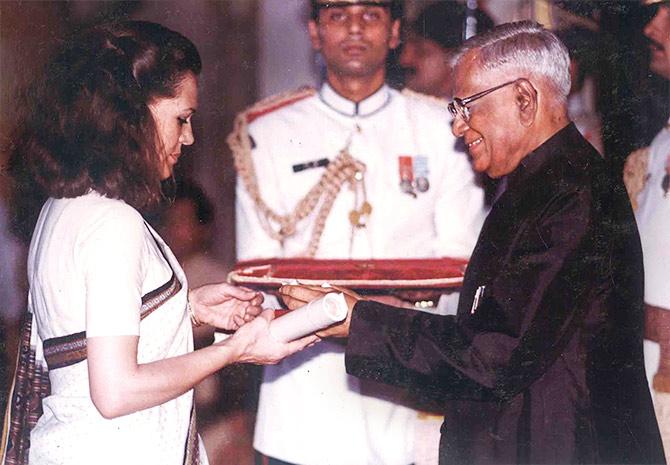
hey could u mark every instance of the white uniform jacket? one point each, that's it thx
(310, 411)
(653, 220)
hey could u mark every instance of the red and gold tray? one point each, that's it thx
(419, 278)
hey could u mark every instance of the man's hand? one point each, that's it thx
(225, 306)
(297, 296)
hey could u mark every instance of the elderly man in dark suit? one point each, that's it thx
(543, 363)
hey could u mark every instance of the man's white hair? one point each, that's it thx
(523, 47)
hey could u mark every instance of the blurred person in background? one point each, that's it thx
(584, 47)
(13, 292)
(107, 356)
(647, 176)
(187, 226)
(431, 40)
(352, 170)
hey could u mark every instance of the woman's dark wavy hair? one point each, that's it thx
(87, 122)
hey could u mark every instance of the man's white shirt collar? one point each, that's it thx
(366, 107)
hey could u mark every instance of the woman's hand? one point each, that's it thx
(253, 342)
(224, 306)
(297, 296)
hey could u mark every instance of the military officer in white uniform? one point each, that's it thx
(647, 176)
(355, 170)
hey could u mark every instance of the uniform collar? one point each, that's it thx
(346, 107)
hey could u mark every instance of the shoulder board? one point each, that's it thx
(425, 97)
(275, 102)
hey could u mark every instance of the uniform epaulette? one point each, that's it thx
(275, 102)
(425, 97)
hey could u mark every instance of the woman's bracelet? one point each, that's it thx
(194, 319)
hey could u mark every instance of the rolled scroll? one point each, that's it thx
(316, 315)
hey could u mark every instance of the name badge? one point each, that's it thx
(310, 164)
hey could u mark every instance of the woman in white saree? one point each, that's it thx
(107, 368)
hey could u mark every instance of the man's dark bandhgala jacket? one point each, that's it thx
(543, 362)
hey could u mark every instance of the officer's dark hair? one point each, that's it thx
(395, 6)
(585, 48)
(444, 23)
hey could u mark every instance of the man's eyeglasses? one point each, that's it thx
(459, 107)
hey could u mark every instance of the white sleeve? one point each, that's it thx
(252, 239)
(112, 255)
(459, 208)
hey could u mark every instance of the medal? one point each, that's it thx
(421, 173)
(413, 174)
(406, 172)
(406, 187)
(422, 184)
